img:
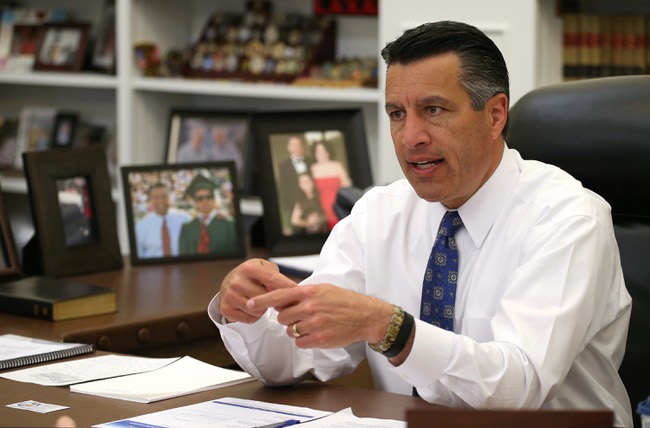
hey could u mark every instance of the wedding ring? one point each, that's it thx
(294, 331)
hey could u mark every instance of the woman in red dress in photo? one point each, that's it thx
(329, 175)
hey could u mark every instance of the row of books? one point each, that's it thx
(600, 45)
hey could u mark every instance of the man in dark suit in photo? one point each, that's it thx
(298, 162)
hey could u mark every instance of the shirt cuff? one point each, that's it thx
(429, 356)
(227, 328)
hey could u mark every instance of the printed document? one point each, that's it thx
(184, 376)
(87, 369)
(241, 413)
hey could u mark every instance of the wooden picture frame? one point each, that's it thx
(73, 210)
(64, 130)
(9, 265)
(291, 225)
(224, 136)
(182, 194)
(62, 47)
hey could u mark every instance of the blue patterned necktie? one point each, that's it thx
(439, 285)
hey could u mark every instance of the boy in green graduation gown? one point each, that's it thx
(209, 232)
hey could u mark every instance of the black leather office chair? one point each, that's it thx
(598, 130)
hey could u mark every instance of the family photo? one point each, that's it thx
(309, 168)
(183, 211)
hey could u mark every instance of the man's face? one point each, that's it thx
(197, 137)
(204, 201)
(219, 137)
(446, 149)
(159, 200)
(295, 147)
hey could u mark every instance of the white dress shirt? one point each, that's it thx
(148, 233)
(541, 307)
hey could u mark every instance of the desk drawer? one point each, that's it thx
(137, 336)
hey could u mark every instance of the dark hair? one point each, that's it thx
(326, 146)
(157, 185)
(483, 71)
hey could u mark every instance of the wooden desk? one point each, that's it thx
(160, 306)
(88, 410)
(162, 312)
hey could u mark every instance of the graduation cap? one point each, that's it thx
(199, 182)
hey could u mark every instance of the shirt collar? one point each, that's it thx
(480, 212)
(212, 215)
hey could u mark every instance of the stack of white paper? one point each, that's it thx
(182, 377)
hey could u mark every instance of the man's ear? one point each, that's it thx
(497, 109)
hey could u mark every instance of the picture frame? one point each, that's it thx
(73, 211)
(8, 142)
(64, 130)
(103, 56)
(34, 131)
(62, 46)
(9, 265)
(225, 136)
(293, 223)
(23, 42)
(182, 194)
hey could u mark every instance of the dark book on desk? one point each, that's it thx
(18, 351)
(55, 299)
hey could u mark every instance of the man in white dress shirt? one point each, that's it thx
(149, 231)
(194, 149)
(541, 309)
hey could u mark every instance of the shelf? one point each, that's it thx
(257, 90)
(71, 80)
(13, 183)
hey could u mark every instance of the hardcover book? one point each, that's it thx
(55, 299)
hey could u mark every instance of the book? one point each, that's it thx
(184, 376)
(18, 351)
(570, 46)
(55, 299)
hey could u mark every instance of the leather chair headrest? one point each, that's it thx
(597, 130)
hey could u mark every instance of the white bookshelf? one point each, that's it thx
(528, 32)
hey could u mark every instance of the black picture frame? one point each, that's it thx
(64, 130)
(141, 184)
(69, 241)
(9, 265)
(344, 130)
(236, 124)
(62, 46)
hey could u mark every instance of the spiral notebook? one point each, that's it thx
(18, 351)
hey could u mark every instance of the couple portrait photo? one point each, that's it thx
(309, 168)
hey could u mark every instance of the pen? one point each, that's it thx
(281, 424)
